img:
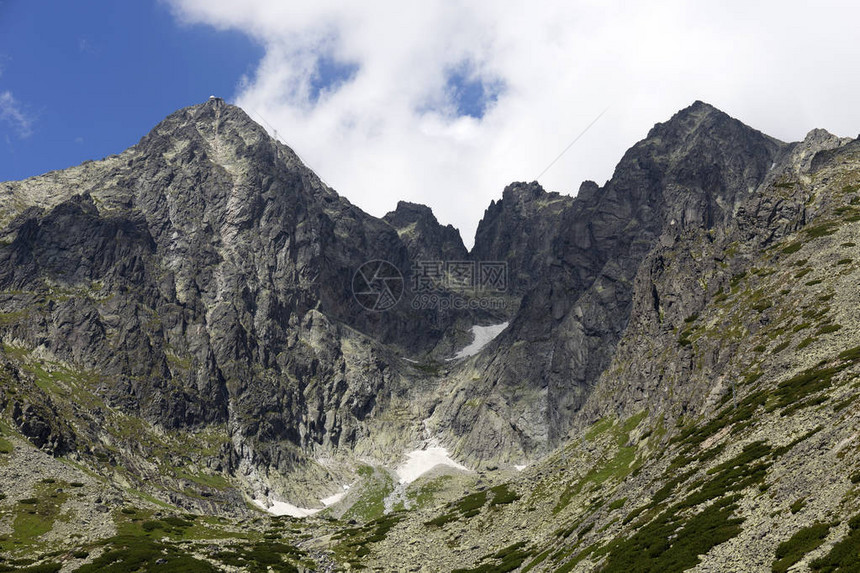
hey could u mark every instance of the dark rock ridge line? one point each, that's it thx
(205, 274)
(692, 172)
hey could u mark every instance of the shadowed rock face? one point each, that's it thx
(178, 322)
(423, 236)
(691, 267)
(520, 229)
(691, 172)
(208, 275)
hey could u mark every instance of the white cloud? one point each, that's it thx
(13, 113)
(392, 132)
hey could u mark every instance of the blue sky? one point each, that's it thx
(90, 78)
(470, 94)
(83, 80)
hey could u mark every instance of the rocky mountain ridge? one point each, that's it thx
(691, 172)
(180, 324)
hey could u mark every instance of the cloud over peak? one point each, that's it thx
(445, 102)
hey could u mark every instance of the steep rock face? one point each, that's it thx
(423, 236)
(520, 229)
(207, 275)
(266, 216)
(691, 172)
(33, 413)
(692, 268)
(729, 404)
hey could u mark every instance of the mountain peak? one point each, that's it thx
(703, 118)
(410, 212)
(210, 120)
(423, 235)
(522, 192)
(699, 105)
(695, 117)
(206, 315)
(699, 109)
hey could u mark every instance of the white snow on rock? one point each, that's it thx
(286, 508)
(333, 499)
(521, 468)
(482, 336)
(421, 461)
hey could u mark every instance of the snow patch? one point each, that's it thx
(521, 468)
(333, 499)
(286, 508)
(482, 336)
(423, 460)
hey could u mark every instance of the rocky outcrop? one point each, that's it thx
(690, 173)
(207, 274)
(690, 269)
(424, 237)
(519, 230)
(33, 413)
